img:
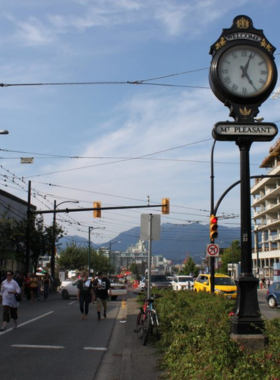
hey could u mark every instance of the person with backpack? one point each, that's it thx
(85, 295)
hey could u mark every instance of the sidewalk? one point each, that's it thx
(126, 358)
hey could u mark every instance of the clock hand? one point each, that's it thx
(245, 68)
(245, 74)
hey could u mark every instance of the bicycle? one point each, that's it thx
(147, 321)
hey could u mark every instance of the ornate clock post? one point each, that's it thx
(242, 76)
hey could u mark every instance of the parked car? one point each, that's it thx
(170, 278)
(159, 281)
(69, 289)
(224, 285)
(273, 295)
(182, 282)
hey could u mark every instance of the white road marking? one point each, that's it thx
(35, 319)
(71, 303)
(96, 348)
(37, 346)
(26, 323)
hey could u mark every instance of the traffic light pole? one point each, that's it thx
(67, 210)
(212, 259)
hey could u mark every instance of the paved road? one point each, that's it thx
(53, 343)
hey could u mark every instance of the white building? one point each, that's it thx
(266, 216)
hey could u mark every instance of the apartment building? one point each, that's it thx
(266, 216)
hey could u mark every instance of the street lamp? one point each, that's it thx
(89, 231)
(4, 132)
(110, 245)
(257, 252)
(212, 259)
(53, 242)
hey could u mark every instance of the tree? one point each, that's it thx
(190, 268)
(230, 255)
(40, 238)
(134, 269)
(75, 257)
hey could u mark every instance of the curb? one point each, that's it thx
(111, 362)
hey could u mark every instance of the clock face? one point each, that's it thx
(245, 71)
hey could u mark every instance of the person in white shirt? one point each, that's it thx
(9, 288)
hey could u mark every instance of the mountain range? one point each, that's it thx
(177, 241)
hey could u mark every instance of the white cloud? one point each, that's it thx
(33, 32)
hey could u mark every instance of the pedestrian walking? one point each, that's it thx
(102, 287)
(47, 284)
(85, 295)
(9, 288)
(33, 287)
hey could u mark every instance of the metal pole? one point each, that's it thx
(89, 261)
(212, 259)
(53, 241)
(27, 262)
(257, 250)
(53, 245)
(110, 245)
(231, 261)
(150, 255)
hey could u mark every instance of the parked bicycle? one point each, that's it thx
(147, 323)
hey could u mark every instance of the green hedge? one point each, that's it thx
(196, 345)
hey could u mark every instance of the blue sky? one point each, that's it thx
(116, 142)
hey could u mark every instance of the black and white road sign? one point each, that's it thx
(212, 250)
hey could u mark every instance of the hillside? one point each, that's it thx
(177, 241)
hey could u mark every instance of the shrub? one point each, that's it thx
(195, 341)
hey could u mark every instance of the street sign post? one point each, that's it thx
(231, 131)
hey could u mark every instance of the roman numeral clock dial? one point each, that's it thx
(244, 71)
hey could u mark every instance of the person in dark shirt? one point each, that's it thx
(85, 295)
(102, 286)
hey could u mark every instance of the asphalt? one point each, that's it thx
(126, 358)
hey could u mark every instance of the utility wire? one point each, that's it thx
(136, 82)
(118, 161)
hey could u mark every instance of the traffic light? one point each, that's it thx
(97, 213)
(165, 206)
(213, 227)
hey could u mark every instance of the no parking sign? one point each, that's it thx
(212, 250)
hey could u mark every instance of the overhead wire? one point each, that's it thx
(135, 82)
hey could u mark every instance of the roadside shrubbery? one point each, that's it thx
(196, 345)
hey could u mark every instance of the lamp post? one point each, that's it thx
(212, 259)
(53, 242)
(110, 245)
(89, 231)
(257, 252)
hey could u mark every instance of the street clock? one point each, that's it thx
(243, 72)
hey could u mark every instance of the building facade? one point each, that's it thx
(11, 207)
(266, 216)
(137, 254)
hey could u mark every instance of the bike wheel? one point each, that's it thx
(146, 329)
(139, 324)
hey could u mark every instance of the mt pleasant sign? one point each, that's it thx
(231, 131)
